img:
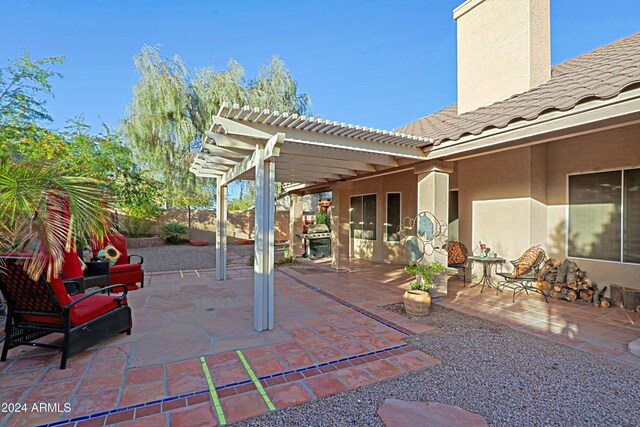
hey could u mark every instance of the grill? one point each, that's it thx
(317, 240)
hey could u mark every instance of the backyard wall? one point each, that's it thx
(240, 224)
(380, 250)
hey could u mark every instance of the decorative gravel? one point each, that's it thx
(177, 257)
(511, 378)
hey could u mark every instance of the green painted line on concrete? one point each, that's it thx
(181, 275)
(256, 381)
(212, 391)
(197, 274)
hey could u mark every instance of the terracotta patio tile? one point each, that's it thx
(294, 376)
(222, 359)
(32, 362)
(267, 367)
(156, 420)
(93, 422)
(74, 370)
(288, 348)
(11, 394)
(286, 395)
(312, 343)
(297, 360)
(338, 338)
(189, 366)
(198, 398)
(84, 404)
(324, 329)
(146, 411)
(107, 366)
(258, 353)
(174, 404)
(13, 379)
(352, 348)
(120, 417)
(202, 415)
(291, 324)
(187, 383)
(120, 351)
(325, 385)
(360, 333)
(142, 393)
(355, 376)
(302, 333)
(327, 354)
(629, 359)
(242, 406)
(275, 381)
(599, 350)
(312, 372)
(230, 391)
(53, 390)
(383, 369)
(409, 362)
(144, 374)
(103, 382)
(223, 375)
(30, 419)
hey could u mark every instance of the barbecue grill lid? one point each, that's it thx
(316, 228)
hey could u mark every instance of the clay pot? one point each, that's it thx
(198, 242)
(416, 303)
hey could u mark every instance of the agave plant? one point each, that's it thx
(42, 211)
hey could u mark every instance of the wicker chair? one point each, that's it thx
(524, 282)
(37, 308)
(462, 265)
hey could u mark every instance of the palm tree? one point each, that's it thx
(43, 211)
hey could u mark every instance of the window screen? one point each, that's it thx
(595, 215)
(363, 217)
(393, 217)
(632, 216)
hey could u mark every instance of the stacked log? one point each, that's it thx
(565, 280)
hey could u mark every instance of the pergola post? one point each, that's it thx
(263, 271)
(221, 232)
(295, 224)
(433, 197)
(340, 237)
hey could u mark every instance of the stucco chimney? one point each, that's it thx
(504, 48)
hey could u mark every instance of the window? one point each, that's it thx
(604, 216)
(393, 217)
(363, 217)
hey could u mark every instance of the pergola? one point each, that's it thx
(270, 147)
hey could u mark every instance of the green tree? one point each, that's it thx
(23, 83)
(171, 110)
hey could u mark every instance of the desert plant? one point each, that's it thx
(136, 227)
(174, 232)
(424, 273)
(321, 217)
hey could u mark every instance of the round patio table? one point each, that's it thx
(487, 263)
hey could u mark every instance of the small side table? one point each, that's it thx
(487, 263)
(97, 274)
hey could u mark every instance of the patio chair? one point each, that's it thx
(523, 277)
(37, 308)
(124, 271)
(457, 255)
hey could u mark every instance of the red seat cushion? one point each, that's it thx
(92, 307)
(124, 268)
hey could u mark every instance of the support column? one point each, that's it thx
(433, 197)
(221, 232)
(263, 271)
(340, 194)
(295, 224)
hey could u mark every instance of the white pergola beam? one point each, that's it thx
(314, 168)
(261, 131)
(227, 141)
(233, 153)
(338, 154)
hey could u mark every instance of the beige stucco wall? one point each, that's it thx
(514, 199)
(379, 250)
(240, 224)
(503, 49)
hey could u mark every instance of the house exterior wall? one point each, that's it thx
(380, 250)
(517, 198)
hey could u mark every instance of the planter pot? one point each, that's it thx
(416, 303)
(198, 242)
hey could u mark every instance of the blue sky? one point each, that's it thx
(376, 63)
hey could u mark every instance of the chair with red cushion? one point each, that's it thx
(72, 271)
(124, 271)
(37, 308)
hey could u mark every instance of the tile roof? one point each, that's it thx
(600, 74)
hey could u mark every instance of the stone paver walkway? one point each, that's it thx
(187, 325)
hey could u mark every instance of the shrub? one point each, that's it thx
(173, 232)
(424, 273)
(136, 227)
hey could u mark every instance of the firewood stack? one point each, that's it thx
(564, 280)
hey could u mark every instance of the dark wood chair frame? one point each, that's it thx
(76, 338)
(524, 282)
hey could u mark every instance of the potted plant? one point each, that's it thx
(417, 300)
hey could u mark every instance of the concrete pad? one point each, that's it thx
(634, 347)
(401, 413)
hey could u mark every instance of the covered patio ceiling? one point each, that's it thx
(305, 150)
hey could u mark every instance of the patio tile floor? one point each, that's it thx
(331, 334)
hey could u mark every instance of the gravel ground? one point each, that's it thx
(176, 257)
(511, 378)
